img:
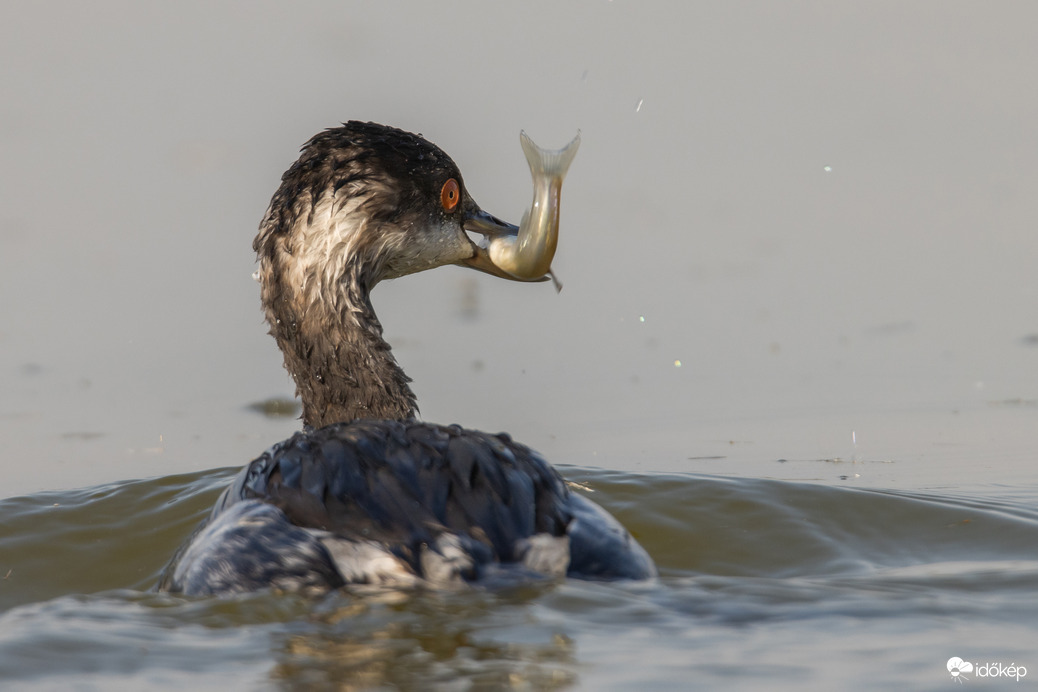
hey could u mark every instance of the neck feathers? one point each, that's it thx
(315, 283)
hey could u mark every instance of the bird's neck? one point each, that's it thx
(334, 350)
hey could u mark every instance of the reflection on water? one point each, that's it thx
(748, 567)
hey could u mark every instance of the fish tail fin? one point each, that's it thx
(548, 162)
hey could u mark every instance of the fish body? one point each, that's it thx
(528, 254)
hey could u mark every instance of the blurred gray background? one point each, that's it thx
(794, 231)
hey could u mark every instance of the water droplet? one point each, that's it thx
(827, 169)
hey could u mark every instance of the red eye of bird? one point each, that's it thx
(450, 195)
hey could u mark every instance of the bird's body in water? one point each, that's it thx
(366, 493)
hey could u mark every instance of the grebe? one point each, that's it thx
(366, 493)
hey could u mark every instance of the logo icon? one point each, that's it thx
(956, 666)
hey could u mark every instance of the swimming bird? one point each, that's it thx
(366, 493)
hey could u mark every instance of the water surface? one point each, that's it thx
(759, 579)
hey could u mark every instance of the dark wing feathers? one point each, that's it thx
(408, 482)
(252, 546)
(461, 461)
(416, 489)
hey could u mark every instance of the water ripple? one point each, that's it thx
(746, 565)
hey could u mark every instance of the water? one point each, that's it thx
(825, 214)
(774, 583)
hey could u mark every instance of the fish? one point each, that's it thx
(527, 255)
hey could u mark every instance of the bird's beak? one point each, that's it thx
(478, 221)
